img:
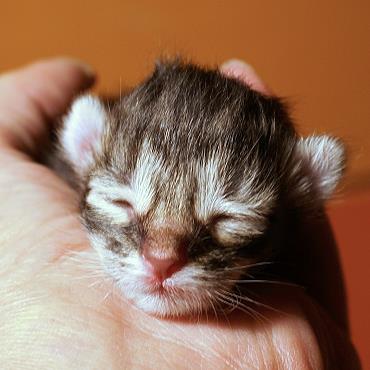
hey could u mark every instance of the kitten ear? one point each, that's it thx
(82, 131)
(322, 160)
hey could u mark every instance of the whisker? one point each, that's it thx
(250, 265)
(253, 301)
(236, 304)
(211, 301)
(261, 281)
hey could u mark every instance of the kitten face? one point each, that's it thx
(187, 217)
(181, 180)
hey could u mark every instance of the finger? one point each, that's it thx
(33, 96)
(245, 73)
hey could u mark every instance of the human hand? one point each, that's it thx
(55, 314)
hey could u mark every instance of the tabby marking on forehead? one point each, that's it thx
(209, 197)
(148, 174)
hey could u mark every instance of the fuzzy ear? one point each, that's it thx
(82, 131)
(322, 159)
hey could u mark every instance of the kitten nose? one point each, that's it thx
(163, 266)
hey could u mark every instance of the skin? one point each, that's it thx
(55, 315)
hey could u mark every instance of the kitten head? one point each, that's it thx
(182, 179)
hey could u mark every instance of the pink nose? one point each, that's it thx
(162, 266)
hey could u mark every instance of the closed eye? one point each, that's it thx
(112, 200)
(122, 203)
(126, 206)
(231, 229)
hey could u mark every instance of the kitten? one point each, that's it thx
(184, 182)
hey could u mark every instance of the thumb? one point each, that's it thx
(33, 96)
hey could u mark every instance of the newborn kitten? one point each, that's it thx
(185, 180)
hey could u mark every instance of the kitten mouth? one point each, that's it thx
(165, 291)
(167, 298)
(166, 302)
(176, 296)
(164, 288)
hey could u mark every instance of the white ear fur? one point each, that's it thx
(323, 159)
(82, 131)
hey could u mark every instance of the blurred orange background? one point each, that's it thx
(314, 53)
